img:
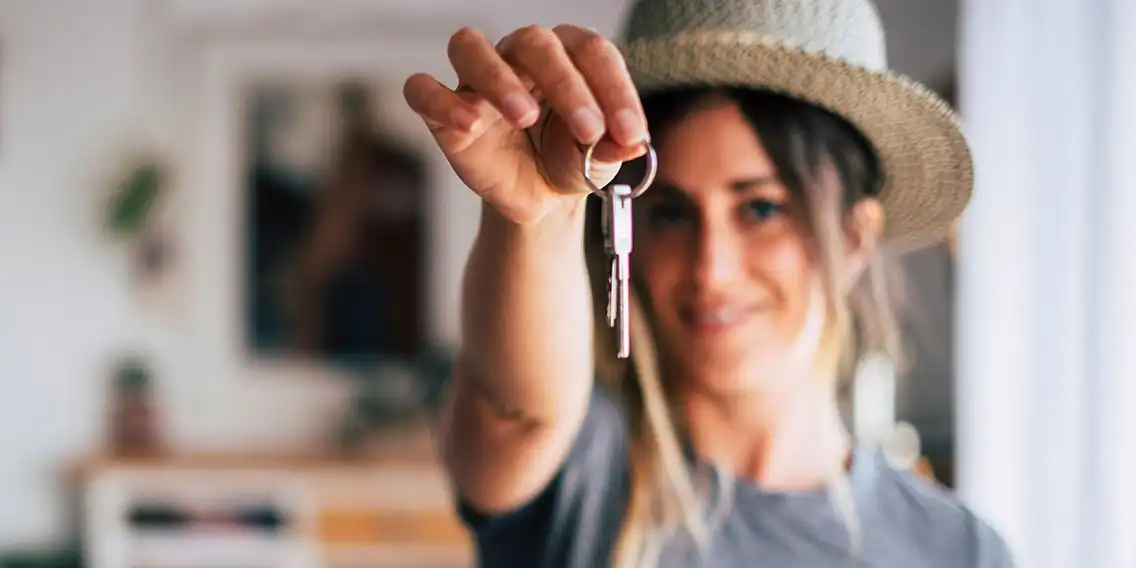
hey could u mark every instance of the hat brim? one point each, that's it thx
(917, 137)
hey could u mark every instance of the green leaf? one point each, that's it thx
(130, 206)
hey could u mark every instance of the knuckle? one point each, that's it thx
(464, 37)
(565, 28)
(618, 94)
(595, 47)
(537, 37)
(574, 30)
(503, 45)
(498, 76)
(565, 86)
(525, 32)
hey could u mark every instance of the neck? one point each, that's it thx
(793, 440)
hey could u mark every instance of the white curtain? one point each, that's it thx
(1047, 279)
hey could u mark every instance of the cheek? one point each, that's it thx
(659, 263)
(783, 259)
(782, 266)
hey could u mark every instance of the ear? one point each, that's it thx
(865, 225)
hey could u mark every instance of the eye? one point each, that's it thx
(662, 214)
(762, 209)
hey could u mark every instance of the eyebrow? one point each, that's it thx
(744, 185)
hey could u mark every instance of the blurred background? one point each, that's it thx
(230, 260)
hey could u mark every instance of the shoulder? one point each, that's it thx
(944, 526)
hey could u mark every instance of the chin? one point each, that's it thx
(731, 349)
(720, 367)
(729, 362)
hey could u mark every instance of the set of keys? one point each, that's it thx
(617, 230)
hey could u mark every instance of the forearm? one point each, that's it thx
(527, 316)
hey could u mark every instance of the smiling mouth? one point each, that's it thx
(719, 319)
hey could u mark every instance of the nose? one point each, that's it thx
(720, 255)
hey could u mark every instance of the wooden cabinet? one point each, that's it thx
(321, 513)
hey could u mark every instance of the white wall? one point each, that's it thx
(81, 83)
(71, 92)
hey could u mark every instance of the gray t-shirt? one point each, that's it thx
(905, 522)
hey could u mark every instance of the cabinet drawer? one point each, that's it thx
(377, 526)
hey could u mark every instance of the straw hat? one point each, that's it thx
(829, 53)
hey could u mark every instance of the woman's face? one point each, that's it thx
(721, 248)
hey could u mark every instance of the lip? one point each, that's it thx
(717, 319)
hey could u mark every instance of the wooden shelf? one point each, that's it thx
(340, 511)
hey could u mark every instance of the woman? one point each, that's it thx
(755, 258)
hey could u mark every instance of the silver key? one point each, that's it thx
(618, 206)
(613, 272)
(617, 231)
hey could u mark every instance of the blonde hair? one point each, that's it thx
(827, 166)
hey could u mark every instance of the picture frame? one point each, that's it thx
(227, 372)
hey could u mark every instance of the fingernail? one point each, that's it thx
(587, 124)
(629, 127)
(463, 118)
(519, 108)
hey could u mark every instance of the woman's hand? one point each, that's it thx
(493, 129)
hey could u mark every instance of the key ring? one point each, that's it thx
(652, 169)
